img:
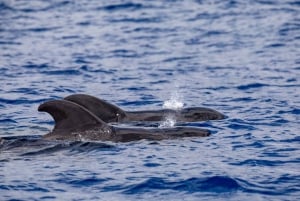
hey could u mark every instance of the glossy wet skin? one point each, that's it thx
(111, 113)
(183, 115)
(74, 122)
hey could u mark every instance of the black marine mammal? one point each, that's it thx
(74, 122)
(112, 113)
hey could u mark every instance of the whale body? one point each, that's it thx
(75, 122)
(112, 113)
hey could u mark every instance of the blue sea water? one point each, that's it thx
(239, 57)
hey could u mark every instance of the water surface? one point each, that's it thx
(239, 57)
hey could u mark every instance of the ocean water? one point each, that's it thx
(239, 57)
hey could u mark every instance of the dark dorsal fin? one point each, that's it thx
(69, 116)
(102, 109)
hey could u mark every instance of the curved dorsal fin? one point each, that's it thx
(102, 109)
(68, 115)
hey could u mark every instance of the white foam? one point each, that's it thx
(169, 121)
(175, 102)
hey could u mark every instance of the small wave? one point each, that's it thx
(251, 86)
(218, 184)
(118, 7)
(253, 162)
(270, 187)
(124, 53)
(35, 145)
(275, 45)
(77, 182)
(34, 29)
(139, 103)
(25, 9)
(20, 101)
(177, 59)
(31, 65)
(9, 43)
(136, 20)
(62, 72)
(7, 121)
(289, 27)
(4, 6)
(240, 125)
(72, 147)
(7, 143)
(293, 111)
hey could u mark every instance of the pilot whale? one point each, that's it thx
(76, 123)
(112, 113)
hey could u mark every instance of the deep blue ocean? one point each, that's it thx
(239, 57)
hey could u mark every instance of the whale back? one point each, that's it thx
(102, 109)
(199, 114)
(74, 122)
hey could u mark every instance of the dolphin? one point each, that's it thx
(76, 123)
(112, 113)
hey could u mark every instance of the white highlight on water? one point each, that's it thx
(175, 103)
(169, 121)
